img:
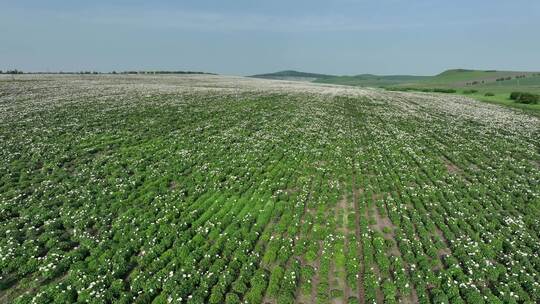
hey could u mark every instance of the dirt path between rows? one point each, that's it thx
(360, 285)
(360, 249)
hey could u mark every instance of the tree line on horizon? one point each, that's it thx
(16, 71)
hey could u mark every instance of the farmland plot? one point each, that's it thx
(211, 189)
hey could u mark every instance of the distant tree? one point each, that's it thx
(441, 90)
(528, 98)
(515, 95)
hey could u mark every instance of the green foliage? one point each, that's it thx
(525, 98)
(444, 90)
(232, 298)
(143, 189)
(275, 280)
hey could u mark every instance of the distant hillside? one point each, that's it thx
(356, 80)
(500, 83)
(460, 77)
(369, 80)
(292, 75)
(454, 78)
(485, 85)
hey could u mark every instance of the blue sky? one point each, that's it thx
(243, 37)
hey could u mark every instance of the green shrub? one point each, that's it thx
(515, 95)
(439, 90)
(489, 94)
(399, 89)
(470, 91)
(426, 90)
(527, 98)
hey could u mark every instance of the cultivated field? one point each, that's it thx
(213, 189)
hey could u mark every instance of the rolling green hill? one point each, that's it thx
(488, 86)
(294, 75)
(372, 80)
(455, 78)
(356, 80)
(460, 78)
(475, 83)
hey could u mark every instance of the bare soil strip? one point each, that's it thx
(315, 279)
(361, 291)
